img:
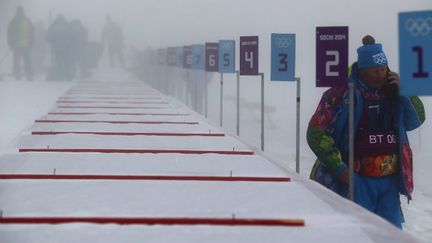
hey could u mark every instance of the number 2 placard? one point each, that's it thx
(415, 50)
(331, 56)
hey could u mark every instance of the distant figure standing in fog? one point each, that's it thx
(60, 38)
(79, 49)
(20, 40)
(40, 48)
(112, 34)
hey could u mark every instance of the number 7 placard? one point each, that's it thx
(331, 56)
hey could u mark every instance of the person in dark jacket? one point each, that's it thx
(20, 40)
(382, 155)
(60, 38)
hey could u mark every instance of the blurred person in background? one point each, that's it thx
(79, 49)
(112, 36)
(20, 40)
(60, 37)
(40, 48)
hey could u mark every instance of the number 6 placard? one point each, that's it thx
(248, 55)
(415, 50)
(331, 56)
(212, 57)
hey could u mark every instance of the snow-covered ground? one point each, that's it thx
(328, 218)
(23, 102)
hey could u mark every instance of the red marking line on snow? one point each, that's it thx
(109, 98)
(110, 102)
(135, 151)
(115, 122)
(118, 113)
(129, 133)
(141, 177)
(155, 221)
(110, 107)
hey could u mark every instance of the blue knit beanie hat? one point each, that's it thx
(370, 54)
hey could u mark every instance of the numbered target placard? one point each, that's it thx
(187, 57)
(249, 55)
(179, 56)
(415, 53)
(331, 56)
(171, 56)
(283, 57)
(198, 57)
(161, 56)
(212, 57)
(227, 56)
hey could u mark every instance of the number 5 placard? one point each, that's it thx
(248, 55)
(331, 56)
(283, 57)
(415, 50)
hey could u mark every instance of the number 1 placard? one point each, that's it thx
(248, 55)
(283, 57)
(331, 56)
(415, 52)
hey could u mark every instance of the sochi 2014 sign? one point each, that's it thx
(187, 57)
(331, 56)
(212, 57)
(248, 55)
(415, 53)
(283, 57)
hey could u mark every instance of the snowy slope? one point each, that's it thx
(328, 218)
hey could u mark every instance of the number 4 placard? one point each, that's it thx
(331, 56)
(248, 55)
(415, 52)
(283, 57)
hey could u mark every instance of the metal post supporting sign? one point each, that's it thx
(332, 71)
(249, 66)
(187, 64)
(226, 65)
(198, 63)
(283, 69)
(415, 48)
(211, 65)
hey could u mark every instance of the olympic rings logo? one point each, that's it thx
(419, 26)
(283, 42)
(226, 46)
(379, 58)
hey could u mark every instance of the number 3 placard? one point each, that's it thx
(331, 56)
(283, 57)
(415, 52)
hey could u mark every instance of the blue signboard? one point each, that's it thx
(198, 57)
(227, 56)
(283, 57)
(415, 53)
